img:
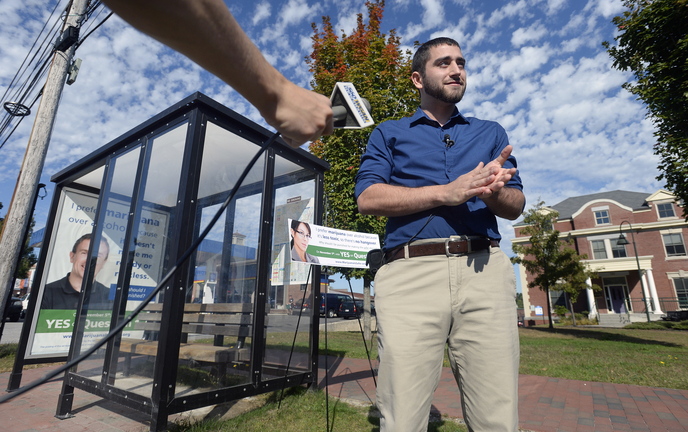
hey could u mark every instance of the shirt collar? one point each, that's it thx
(419, 117)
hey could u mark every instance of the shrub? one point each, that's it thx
(560, 310)
(659, 325)
(581, 319)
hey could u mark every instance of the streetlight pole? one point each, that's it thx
(622, 241)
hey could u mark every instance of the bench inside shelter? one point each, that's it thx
(213, 335)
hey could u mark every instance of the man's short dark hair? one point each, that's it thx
(422, 55)
(88, 237)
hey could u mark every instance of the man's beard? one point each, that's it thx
(443, 93)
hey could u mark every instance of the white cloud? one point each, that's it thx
(607, 8)
(528, 60)
(518, 9)
(433, 14)
(262, 13)
(553, 6)
(295, 11)
(525, 35)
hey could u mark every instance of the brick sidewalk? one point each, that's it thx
(545, 404)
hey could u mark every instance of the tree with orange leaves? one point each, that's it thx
(376, 65)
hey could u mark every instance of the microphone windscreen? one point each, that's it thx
(343, 115)
(339, 113)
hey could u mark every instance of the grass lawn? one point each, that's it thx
(657, 358)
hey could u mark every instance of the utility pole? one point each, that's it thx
(20, 210)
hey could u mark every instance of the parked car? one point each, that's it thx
(354, 309)
(350, 309)
(330, 303)
(14, 309)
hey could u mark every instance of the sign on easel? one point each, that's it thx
(315, 244)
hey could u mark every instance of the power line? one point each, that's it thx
(37, 65)
(4, 96)
(40, 61)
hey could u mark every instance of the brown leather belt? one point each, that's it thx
(453, 246)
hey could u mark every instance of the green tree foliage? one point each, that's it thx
(653, 43)
(28, 258)
(378, 68)
(553, 262)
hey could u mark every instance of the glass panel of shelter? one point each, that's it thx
(141, 249)
(99, 304)
(220, 301)
(288, 334)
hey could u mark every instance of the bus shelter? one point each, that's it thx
(221, 327)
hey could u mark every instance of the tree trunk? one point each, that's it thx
(570, 307)
(549, 308)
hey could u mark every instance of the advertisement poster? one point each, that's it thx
(315, 244)
(65, 265)
(283, 271)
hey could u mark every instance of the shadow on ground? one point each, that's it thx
(603, 335)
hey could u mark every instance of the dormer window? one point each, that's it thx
(601, 216)
(666, 210)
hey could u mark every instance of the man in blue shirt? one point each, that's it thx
(442, 179)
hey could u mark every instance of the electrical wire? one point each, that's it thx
(17, 74)
(78, 44)
(20, 120)
(182, 259)
(40, 59)
(38, 64)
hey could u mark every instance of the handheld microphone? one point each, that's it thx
(350, 111)
(448, 141)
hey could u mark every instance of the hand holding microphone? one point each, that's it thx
(301, 115)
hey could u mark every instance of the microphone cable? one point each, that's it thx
(293, 343)
(155, 291)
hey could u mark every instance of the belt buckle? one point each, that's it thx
(456, 238)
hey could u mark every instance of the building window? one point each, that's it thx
(557, 298)
(681, 286)
(618, 251)
(666, 210)
(602, 217)
(673, 243)
(599, 251)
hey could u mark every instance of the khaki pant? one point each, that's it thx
(467, 302)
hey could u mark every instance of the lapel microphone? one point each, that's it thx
(448, 141)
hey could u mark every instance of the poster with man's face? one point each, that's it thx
(66, 265)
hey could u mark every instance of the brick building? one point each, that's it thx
(652, 224)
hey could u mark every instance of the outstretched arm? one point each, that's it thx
(207, 33)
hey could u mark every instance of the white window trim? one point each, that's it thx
(674, 231)
(656, 206)
(601, 208)
(607, 248)
(608, 239)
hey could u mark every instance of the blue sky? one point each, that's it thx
(536, 66)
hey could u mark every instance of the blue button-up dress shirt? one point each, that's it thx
(414, 152)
